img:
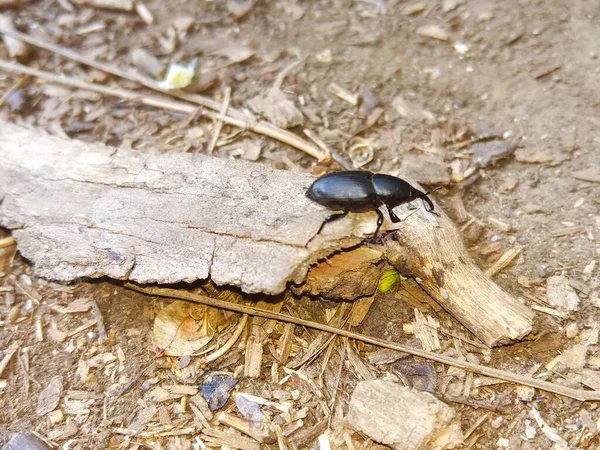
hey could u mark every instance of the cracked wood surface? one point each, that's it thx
(87, 210)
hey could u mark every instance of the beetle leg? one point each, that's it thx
(429, 206)
(379, 222)
(393, 216)
(328, 219)
(426, 199)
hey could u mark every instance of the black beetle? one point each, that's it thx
(362, 191)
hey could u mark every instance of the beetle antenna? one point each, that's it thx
(433, 190)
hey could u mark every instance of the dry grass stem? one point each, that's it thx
(219, 122)
(232, 340)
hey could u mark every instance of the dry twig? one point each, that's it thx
(576, 394)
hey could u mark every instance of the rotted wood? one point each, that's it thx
(82, 210)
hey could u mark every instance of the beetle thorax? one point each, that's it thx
(393, 191)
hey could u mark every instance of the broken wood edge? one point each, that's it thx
(576, 394)
(430, 250)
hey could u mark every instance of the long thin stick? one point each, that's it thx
(576, 394)
(260, 126)
(163, 103)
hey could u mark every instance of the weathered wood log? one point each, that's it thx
(430, 249)
(86, 210)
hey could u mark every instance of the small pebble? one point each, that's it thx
(25, 441)
(16, 101)
(572, 330)
(216, 390)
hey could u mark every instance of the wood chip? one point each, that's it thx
(285, 343)
(574, 357)
(182, 389)
(575, 229)
(549, 311)
(499, 225)
(10, 351)
(533, 156)
(344, 94)
(411, 110)
(259, 431)
(16, 49)
(433, 31)
(50, 397)
(254, 352)
(425, 329)
(561, 295)
(56, 335)
(362, 370)
(546, 71)
(216, 437)
(591, 378)
(144, 12)
(277, 108)
(160, 394)
(120, 5)
(413, 8)
(63, 432)
(504, 261)
(146, 62)
(360, 309)
(202, 406)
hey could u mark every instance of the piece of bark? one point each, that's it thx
(429, 248)
(254, 352)
(86, 210)
(403, 418)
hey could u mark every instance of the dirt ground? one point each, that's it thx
(518, 71)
